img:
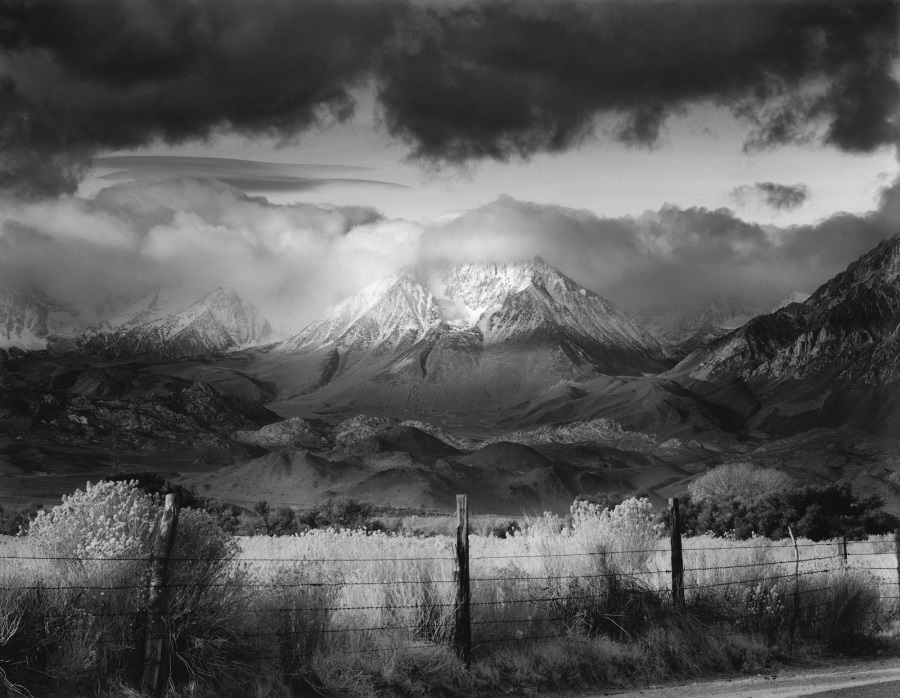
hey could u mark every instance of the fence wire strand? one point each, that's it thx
(558, 607)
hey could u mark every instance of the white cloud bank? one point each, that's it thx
(295, 260)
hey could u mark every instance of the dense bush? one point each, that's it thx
(604, 500)
(108, 520)
(341, 512)
(276, 522)
(100, 541)
(17, 521)
(817, 512)
(228, 516)
(742, 481)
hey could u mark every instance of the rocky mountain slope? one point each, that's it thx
(706, 324)
(162, 325)
(832, 359)
(847, 329)
(61, 426)
(389, 462)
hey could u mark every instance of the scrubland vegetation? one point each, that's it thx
(741, 499)
(559, 603)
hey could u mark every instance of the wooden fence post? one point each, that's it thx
(155, 651)
(463, 637)
(844, 549)
(677, 559)
(897, 554)
(796, 611)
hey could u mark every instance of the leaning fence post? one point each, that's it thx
(796, 611)
(155, 679)
(677, 560)
(463, 637)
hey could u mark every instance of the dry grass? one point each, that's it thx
(355, 614)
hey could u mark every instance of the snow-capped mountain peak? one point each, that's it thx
(393, 310)
(480, 286)
(500, 302)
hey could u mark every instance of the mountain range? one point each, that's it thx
(164, 325)
(510, 377)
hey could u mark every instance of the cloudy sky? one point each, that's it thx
(662, 152)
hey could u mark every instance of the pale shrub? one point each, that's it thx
(102, 537)
(112, 520)
(743, 480)
(629, 533)
(108, 520)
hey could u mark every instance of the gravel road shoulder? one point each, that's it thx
(839, 674)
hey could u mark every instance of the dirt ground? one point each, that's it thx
(877, 677)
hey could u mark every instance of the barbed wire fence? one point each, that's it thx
(464, 610)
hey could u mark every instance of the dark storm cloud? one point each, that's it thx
(457, 81)
(777, 196)
(85, 75)
(504, 79)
